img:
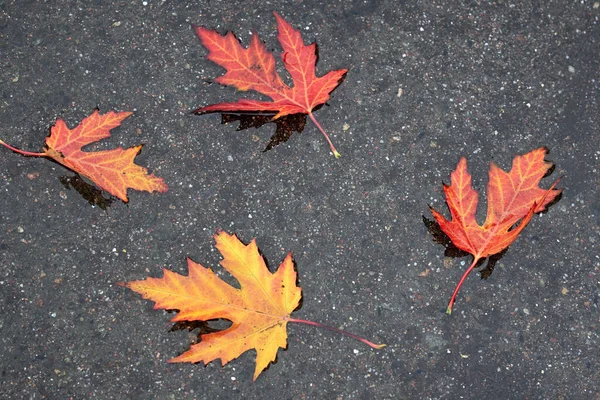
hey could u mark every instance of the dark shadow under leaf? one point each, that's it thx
(285, 126)
(204, 327)
(89, 192)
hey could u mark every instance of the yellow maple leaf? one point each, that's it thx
(259, 310)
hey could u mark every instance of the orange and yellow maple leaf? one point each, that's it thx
(112, 170)
(259, 310)
(254, 69)
(513, 197)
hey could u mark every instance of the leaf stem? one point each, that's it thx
(330, 328)
(335, 152)
(23, 152)
(467, 272)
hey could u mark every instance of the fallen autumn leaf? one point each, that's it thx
(513, 198)
(254, 69)
(259, 310)
(112, 170)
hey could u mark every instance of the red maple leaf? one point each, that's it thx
(513, 198)
(254, 69)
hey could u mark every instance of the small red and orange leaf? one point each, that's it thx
(112, 170)
(254, 69)
(513, 197)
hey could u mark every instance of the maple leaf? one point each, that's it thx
(259, 310)
(112, 170)
(513, 198)
(254, 69)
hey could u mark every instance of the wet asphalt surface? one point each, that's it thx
(428, 82)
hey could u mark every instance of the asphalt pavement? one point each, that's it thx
(428, 83)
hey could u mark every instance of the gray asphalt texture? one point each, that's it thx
(429, 82)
